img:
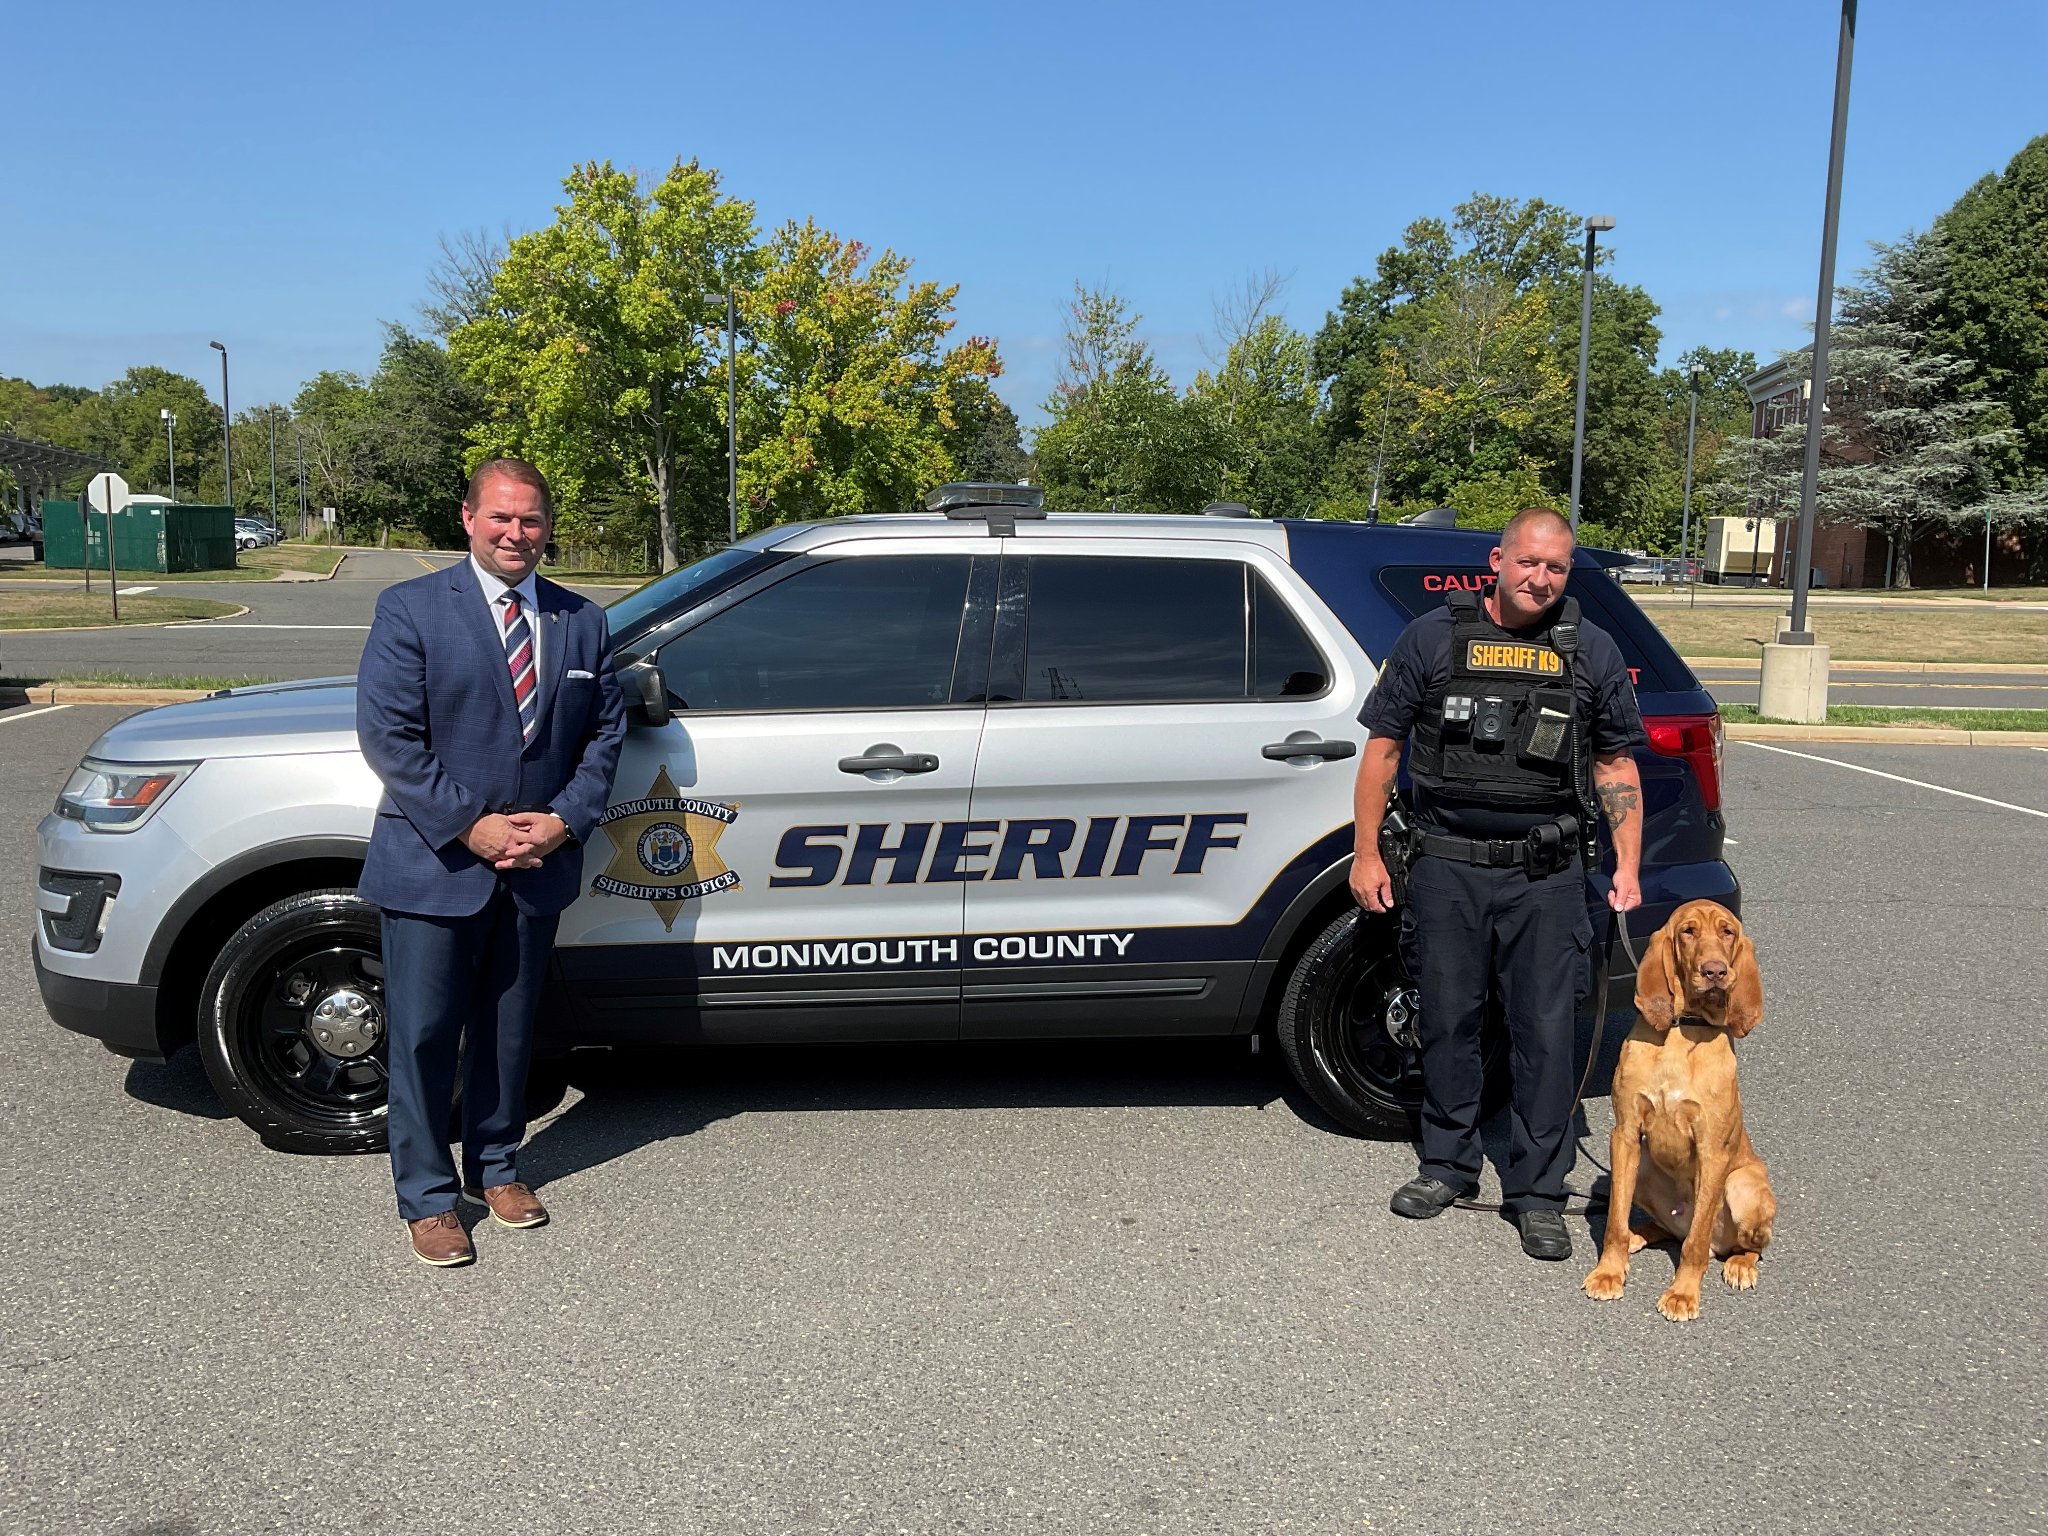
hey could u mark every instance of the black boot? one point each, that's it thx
(1423, 1197)
(1544, 1235)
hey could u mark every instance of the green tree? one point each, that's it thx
(988, 444)
(598, 352)
(1120, 435)
(854, 398)
(134, 430)
(1907, 447)
(1265, 397)
(1993, 305)
(333, 417)
(419, 419)
(1724, 417)
(1456, 365)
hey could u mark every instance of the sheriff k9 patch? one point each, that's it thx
(665, 849)
(1502, 656)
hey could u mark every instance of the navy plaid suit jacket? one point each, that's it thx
(437, 723)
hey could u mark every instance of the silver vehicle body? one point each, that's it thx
(279, 795)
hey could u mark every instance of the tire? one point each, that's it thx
(260, 1020)
(1334, 1031)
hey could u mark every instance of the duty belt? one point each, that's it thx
(1497, 852)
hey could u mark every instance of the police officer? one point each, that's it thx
(1518, 716)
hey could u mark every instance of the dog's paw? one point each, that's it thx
(1638, 1240)
(1679, 1306)
(1605, 1284)
(1738, 1271)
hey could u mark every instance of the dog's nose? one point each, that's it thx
(1714, 972)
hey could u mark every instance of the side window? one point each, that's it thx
(1110, 629)
(1285, 661)
(876, 632)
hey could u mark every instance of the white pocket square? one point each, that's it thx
(576, 672)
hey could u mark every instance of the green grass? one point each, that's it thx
(1864, 634)
(76, 610)
(251, 565)
(185, 680)
(1906, 714)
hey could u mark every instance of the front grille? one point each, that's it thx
(74, 908)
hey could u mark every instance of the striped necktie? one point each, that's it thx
(519, 657)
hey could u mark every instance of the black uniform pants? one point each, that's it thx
(1462, 927)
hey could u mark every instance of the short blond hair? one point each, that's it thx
(1531, 517)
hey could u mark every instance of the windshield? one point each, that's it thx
(666, 593)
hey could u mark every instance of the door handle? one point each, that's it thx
(1306, 744)
(885, 757)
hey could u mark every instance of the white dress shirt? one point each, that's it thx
(494, 590)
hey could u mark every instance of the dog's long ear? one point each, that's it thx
(1745, 988)
(1659, 995)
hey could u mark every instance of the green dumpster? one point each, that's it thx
(149, 537)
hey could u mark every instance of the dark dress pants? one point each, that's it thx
(1463, 926)
(446, 978)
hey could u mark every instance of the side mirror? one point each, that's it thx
(646, 694)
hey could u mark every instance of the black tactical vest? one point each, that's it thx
(1499, 732)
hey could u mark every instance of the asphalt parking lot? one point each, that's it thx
(1128, 1288)
(292, 629)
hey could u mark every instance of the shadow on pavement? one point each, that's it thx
(634, 1098)
(179, 1083)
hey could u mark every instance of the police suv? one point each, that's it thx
(969, 774)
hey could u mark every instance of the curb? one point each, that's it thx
(85, 693)
(1897, 735)
(2017, 668)
(297, 578)
(77, 629)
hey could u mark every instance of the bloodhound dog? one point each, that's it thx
(1681, 1154)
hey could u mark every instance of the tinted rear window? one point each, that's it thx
(1652, 663)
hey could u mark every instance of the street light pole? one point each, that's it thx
(1594, 225)
(227, 427)
(1372, 510)
(299, 441)
(1823, 311)
(273, 466)
(1692, 430)
(732, 419)
(171, 445)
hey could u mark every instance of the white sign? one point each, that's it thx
(327, 516)
(106, 493)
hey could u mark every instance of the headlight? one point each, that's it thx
(119, 797)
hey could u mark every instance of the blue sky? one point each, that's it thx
(277, 177)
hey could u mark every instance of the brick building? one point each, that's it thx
(1845, 555)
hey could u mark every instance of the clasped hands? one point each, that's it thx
(518, 841)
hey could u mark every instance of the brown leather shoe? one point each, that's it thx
(441, 1241)
(512, 1205)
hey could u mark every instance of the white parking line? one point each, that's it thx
(47, 709)
(1897, 778)
(133, 591)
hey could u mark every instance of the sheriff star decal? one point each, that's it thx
(665, 849)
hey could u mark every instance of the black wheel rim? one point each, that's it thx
(1354, 1042)
(323, 1069)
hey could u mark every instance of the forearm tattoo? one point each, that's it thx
(1619, 800)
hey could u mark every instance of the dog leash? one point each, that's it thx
(1589, 1204)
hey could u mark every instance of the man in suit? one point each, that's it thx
(487, 706)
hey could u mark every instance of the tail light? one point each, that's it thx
(1697, 740)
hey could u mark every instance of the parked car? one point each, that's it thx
(976, 773)
(254, 533)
